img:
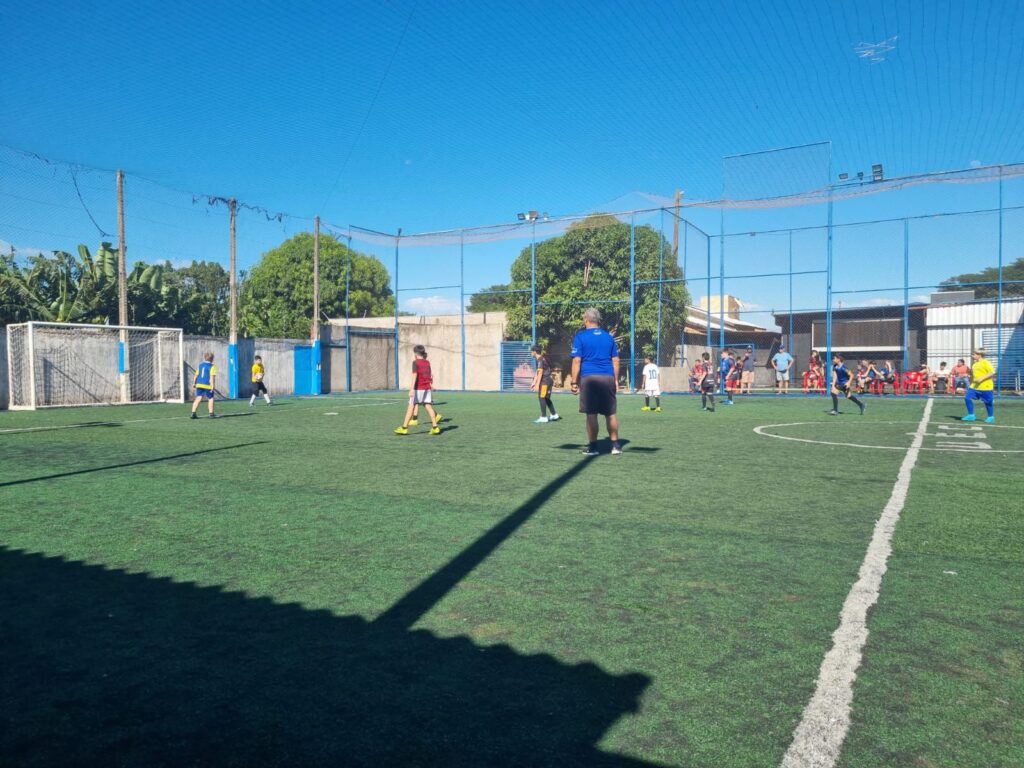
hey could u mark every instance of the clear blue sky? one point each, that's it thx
(434, 115)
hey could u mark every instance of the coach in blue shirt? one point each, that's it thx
(595, 376)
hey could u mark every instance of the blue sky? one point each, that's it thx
(434, 115)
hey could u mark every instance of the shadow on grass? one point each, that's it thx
(138, 463)
(604, 445)
(104, 667)
(83, 425)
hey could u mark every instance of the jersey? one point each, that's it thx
(257, 372)
(204, 375)
(421, 374)
(544, 367)
(842, 375)
(725, 366)
(651, 375)
(595, 347)
(980, 370)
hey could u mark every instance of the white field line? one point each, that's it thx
(17, 430)
(826, 719)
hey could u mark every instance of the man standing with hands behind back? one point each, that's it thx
(595, 376)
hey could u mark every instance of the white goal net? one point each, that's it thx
(64, 364)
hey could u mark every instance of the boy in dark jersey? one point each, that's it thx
(726, 365)
(420, 392)
(542, 384)
(204, 384)
(706, 383)
(841, 385)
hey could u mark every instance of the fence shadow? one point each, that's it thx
(104, 667)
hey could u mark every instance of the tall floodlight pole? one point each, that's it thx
(632, 301)
(122, 292)
(999, 306)
(533, 279)
(348, 315)
(233, 307)
(906, 294)
(789, 335)
(316, 383)
(398, 237)
(661, 274)
(462, 303)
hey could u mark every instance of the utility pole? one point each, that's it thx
(233, 309)
(675, 227)
(316, 307)
(122, 291)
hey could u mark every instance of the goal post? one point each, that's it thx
(70, 364)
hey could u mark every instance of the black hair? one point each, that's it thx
(419, 349)
(257, 358)
(536, 348)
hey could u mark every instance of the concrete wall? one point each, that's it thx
(442, 336)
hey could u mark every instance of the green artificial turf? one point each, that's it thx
(283, 586)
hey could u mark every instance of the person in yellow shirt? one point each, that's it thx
(982, 386)
(258, 387)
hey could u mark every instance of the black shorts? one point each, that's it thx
(843, 389)
(544, 390)
(597, 395)
(707, 386)
(258, 387)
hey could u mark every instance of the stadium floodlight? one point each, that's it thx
(529, 216)
(844, 176)
(860, 175)
(876, 172)
(521, 216)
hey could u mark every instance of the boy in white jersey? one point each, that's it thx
(651, 385)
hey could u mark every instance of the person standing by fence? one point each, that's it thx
(595, 376)
(982, 386)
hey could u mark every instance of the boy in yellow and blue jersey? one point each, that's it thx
(982, 387)
(203, 384)
(258, 387)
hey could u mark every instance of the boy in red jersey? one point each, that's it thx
(420, 392)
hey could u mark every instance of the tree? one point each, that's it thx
(1013, 281)
(589, 266)
(485, 301)
(277, 295)
(203, 292)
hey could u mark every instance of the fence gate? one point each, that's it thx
(370, 359)
(517, 365)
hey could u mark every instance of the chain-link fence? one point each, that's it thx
(908, 275)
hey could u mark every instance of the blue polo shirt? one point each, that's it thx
(842, 375)
(595, 347)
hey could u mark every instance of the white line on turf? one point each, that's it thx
(17, 430)
(826, 719)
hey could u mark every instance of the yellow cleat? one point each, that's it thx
(435, 430)
(658, 409)
(401, 431)
(440, 418)
(414, 422)
(645, 408)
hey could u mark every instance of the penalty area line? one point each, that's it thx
(819, 736)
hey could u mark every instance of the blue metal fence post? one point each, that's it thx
(398, 237)
(721, 286)
(462, 302)
(707, 311)
(906, 294)
(348, 317)
(789, 333)
(999, 307)
(632, 301)
(533, 282)
(828, 284)
(661, 282)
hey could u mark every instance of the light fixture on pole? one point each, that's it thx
(529, 216)
(876, 172)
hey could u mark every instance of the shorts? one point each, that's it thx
(207, 393)
(598, 395)
(782, 375)
(544, 391)
(652, 392)
(843, 389)
(258, 387)
(707, 386)
(421, 397)
(747, 377)
(985, 395)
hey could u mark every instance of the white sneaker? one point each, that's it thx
(616, 450)
(541, 420)
(554, 417)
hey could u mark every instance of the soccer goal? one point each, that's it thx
(68, 364)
